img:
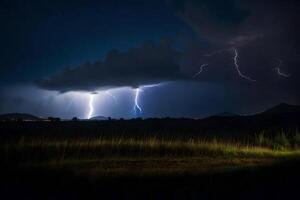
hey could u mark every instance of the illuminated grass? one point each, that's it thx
(102, 156)
(43, 149)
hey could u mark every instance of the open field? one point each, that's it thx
(128, 157)
(147, 159)
(131, 167)
(40, 150)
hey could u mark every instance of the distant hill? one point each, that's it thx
(19, 116)
(283, 117)
(98, 118)
(282, 109)
(225, 114)
(273, 121)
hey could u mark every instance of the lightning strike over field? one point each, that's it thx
(91, 106)
(136, 101)
(277, 69)
(200, 70)
(237, 67)
(235, 59)
(137, 108)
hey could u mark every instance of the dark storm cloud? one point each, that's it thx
(216, 20)
(148, 64)
(232, 22)
(261, 31)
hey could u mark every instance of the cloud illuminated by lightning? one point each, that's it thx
(237, 67)
(200, 70)
(108, 93)
(277, 69)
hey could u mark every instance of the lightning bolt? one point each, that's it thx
(235, 59)
(137, 108)
(277, 69)
(200, 70)
(136, 101)
(91, 111)
(151, 86)
(237, 67)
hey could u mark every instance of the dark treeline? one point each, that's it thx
(283, 118)
(237, 126)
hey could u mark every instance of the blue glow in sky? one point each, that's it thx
(126, 45)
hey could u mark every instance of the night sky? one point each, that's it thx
(133, 58)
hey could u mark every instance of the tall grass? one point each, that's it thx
(280, 141)
(49, 149)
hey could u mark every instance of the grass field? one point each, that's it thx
(117, 156)
(133, 166)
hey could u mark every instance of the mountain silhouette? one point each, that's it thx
(274, 120)
(99, 118)
(283, 109)
(283, 117)
(226, 114)
(19, 116)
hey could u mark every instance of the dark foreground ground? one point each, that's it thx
(277, 181)
(217, 158)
